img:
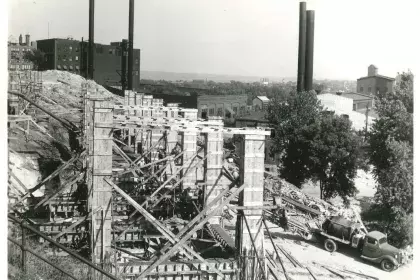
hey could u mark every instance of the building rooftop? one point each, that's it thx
(378, 76)
(263, 98)
(356, 96)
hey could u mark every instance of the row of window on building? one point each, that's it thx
(211, 112)
(68, 67)
(20, 49)
(69, 58)
(377, 89)
(21, 66)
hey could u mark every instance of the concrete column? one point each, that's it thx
(101, 195)
(189, 146)
(213, 168)
(252, 174)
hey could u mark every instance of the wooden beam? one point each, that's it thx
(67, 230)
(161, 228)
(188, 170)
(184, 127)
(20, 182)
(51, 176)
(148, 151)
(199, 216)
(70, 182)
(188, 234)
(275, 248)
(253, 244)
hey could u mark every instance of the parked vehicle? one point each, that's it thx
(373, 246)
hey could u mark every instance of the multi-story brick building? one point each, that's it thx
(71, 55)
(17, 52)
(226, 106)
(374, 83)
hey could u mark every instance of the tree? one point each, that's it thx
(391, 154)
(335, 151)
(315, 144)
(36, 56)
(292, 117)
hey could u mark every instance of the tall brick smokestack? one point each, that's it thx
(28, 40)
(302, 47)
(130, 45)
(309, 57)
(91, 49)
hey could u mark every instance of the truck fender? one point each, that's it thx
(392, 259)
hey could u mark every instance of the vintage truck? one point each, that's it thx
(372, 246)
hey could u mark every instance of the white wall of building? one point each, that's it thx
(344, 106)
(336, 102)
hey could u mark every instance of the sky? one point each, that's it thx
(237, 37)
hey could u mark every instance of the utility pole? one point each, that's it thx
(367, 120)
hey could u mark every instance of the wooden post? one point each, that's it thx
(213, 169)
(189, 145)
(171, 140)
(101, 194)
(24, 259)
(252, 175)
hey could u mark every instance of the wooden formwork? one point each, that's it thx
(180, 271)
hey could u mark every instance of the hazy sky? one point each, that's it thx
(239, 37)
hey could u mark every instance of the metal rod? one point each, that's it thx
(130, 44)
(309, 56)
(83, 260)
(40, 257)
(302, 47)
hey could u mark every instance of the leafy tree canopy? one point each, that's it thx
(315, 144)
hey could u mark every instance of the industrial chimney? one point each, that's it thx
(302, 47)
(309, 56)
(28, 40)
(20, 39)
(130, 45)
(91, 47)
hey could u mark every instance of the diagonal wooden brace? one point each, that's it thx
(161, 228)
(189, 232)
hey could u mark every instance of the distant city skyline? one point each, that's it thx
(239, 38)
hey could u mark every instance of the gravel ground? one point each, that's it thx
(308, 252)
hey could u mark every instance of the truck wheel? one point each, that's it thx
(330, 245)
(387, 265)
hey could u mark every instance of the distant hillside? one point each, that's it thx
(171, 76)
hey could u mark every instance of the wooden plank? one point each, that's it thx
(70, 182)
(190, 232)
(51, 176)
(169, 180)
(311, 273)
(161, 228)
(67, 230)
(275, 249)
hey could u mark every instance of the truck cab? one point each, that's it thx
(373, 246)
(376, 249)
